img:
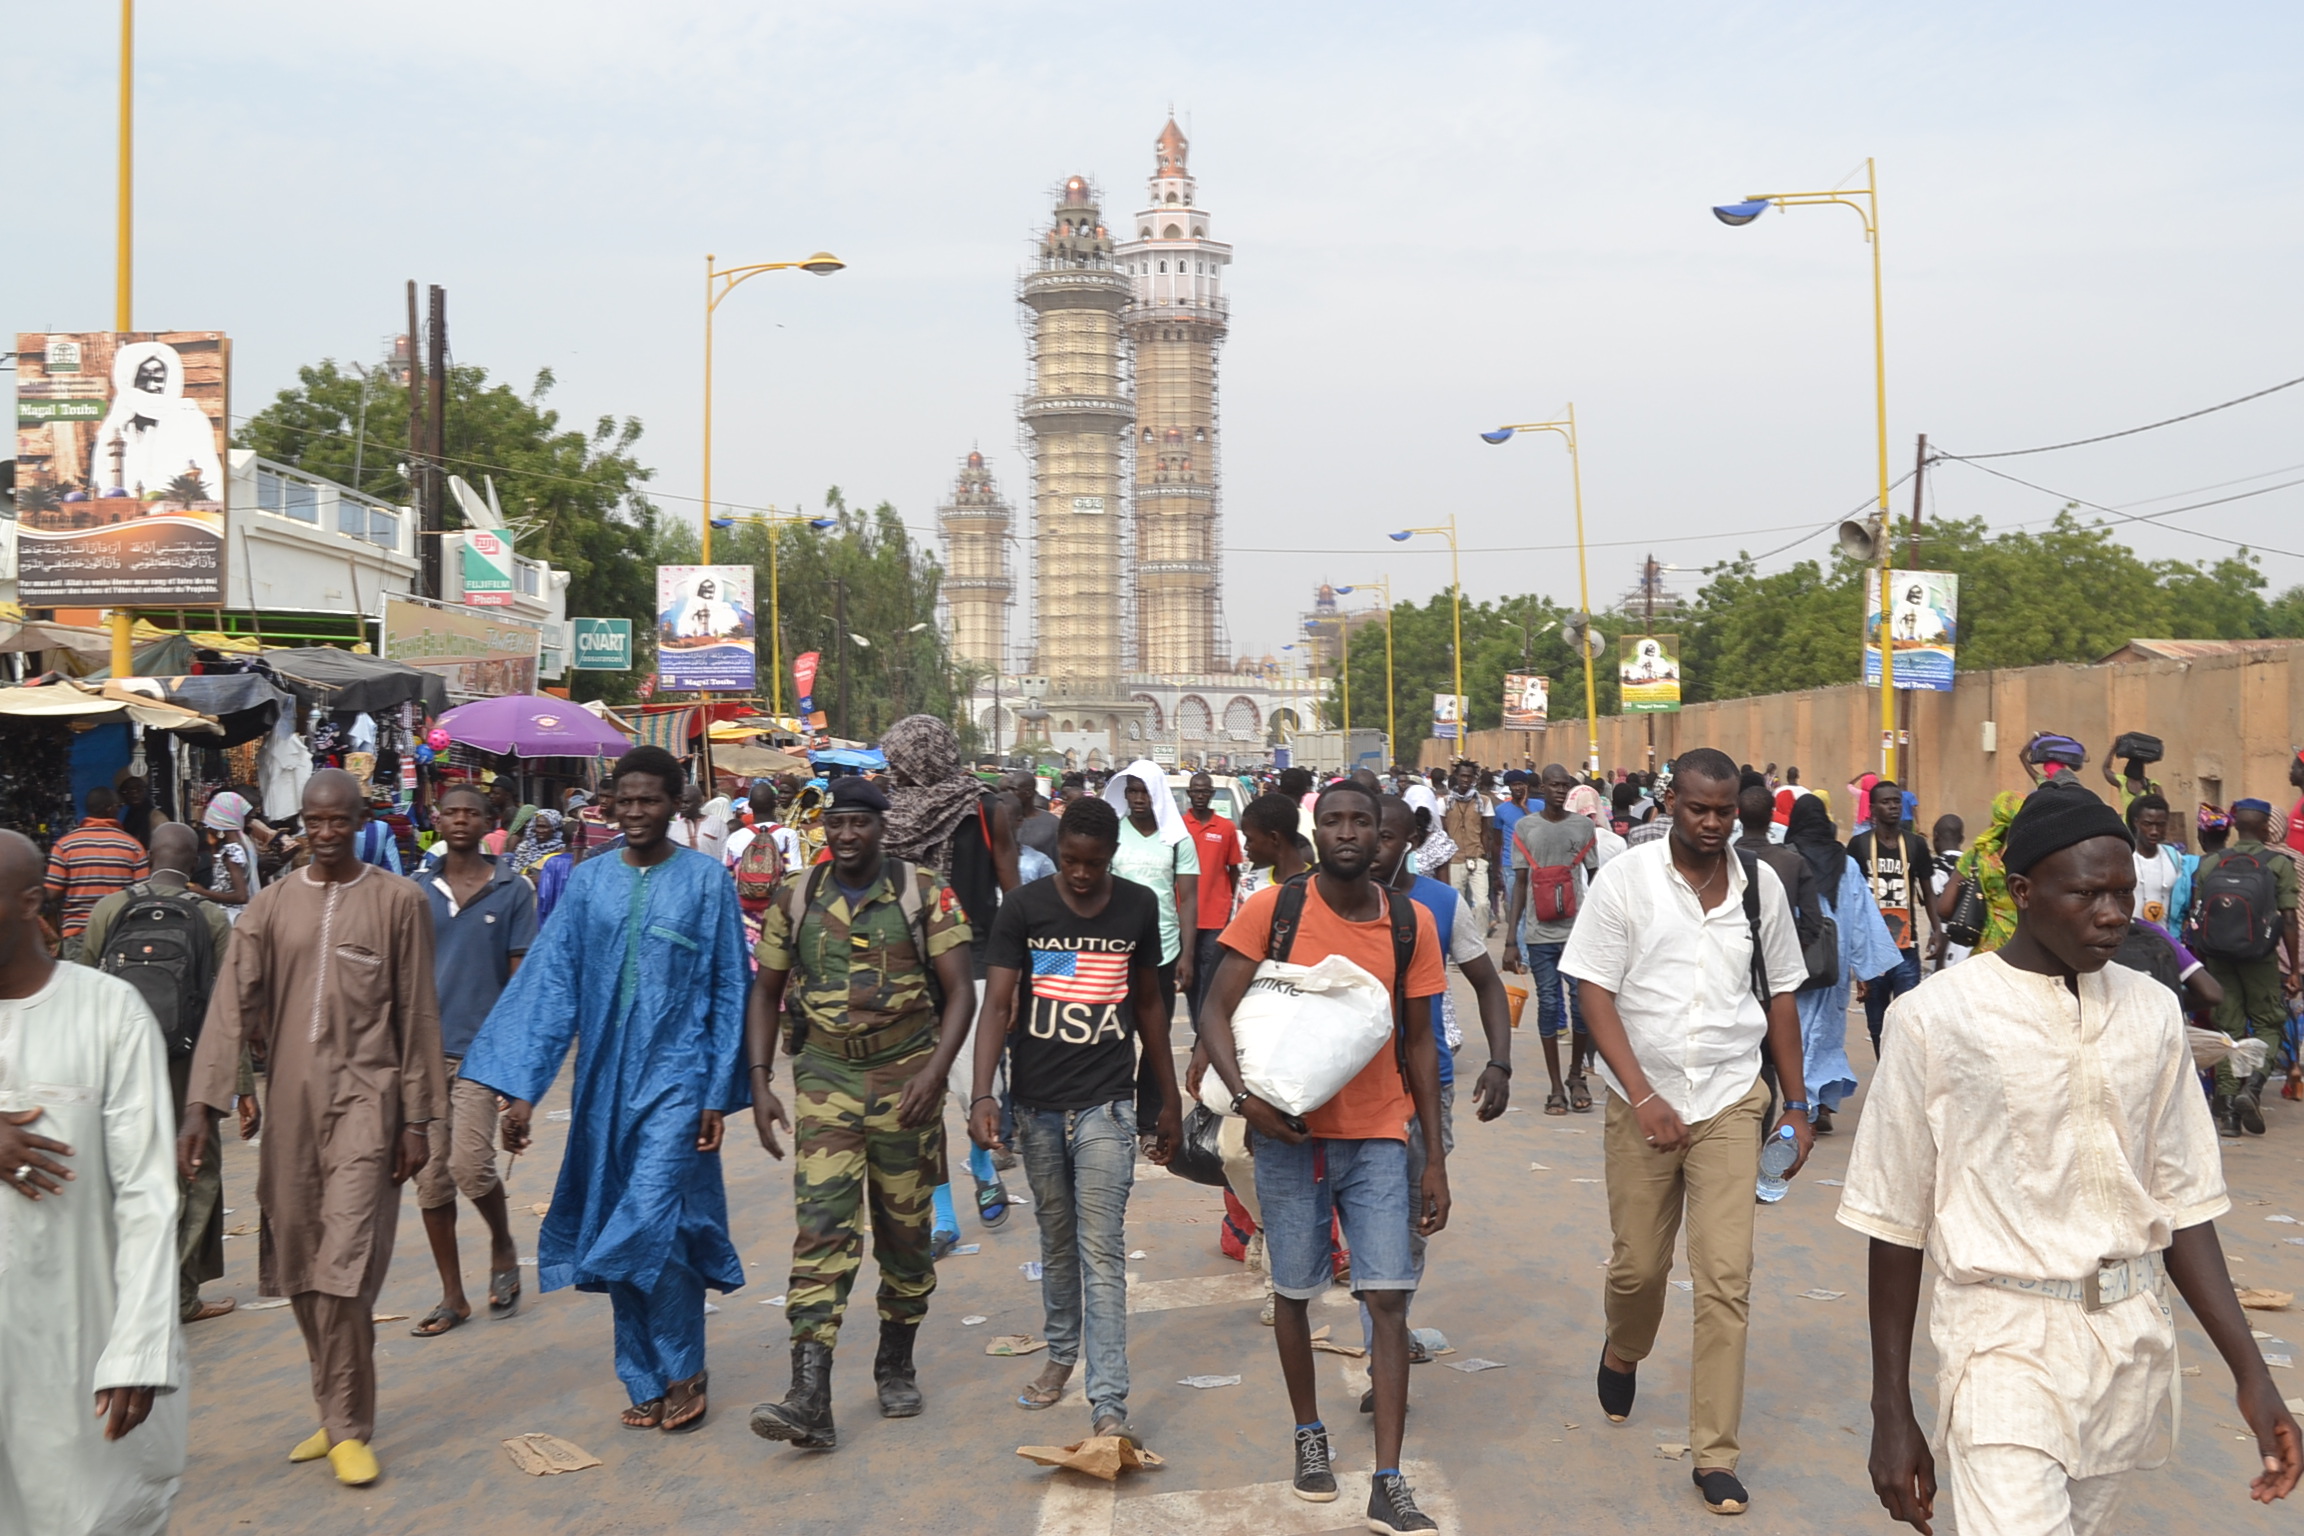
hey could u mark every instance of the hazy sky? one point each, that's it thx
(1445, 216)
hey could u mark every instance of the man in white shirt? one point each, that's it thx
(88, 1305)
(2036, 1128)
(1665, 951)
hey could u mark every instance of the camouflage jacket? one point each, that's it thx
(855, 970)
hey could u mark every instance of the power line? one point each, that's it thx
(2082, 442)
(2153, 518)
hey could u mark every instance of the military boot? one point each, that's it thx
(2248, 1105)
(2221, 1112)
(892, 1369)
(805, 1415)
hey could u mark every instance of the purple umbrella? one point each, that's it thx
(528, 725)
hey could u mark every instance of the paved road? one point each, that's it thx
(1516, 1278)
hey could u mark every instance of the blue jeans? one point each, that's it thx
(1364, 1183)
(1544, 980)
(1080, 1163)
(1880, 991)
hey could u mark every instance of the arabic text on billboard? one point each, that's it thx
(1527, 701)
(704, 629)
(480, 655)
(120, 468)
(1648, 674)
(1923, 625)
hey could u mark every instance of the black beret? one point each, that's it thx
(2053, 818)
(853, 793)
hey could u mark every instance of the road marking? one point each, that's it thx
(1195, 1291)
(1078, 1506)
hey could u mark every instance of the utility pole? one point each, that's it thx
(436, 504)
(427, 547)
(840, 642)
(1648, 594)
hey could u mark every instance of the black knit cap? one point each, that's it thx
(2053, 818)
(854, 793)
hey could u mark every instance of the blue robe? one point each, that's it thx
(645, 971)
(1866, 951)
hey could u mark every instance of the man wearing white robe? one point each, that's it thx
(92, 1406)
(2036, 1129)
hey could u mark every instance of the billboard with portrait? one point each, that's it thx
(1923, 626)
(1527, 701)
(1444, 716)
(121, 468)
(482, 655)
(705, 633)
(1648, 674)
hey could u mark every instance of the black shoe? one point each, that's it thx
(1616, 1391)
(2248, 1107)
(892, 1368)
(1315, 1479)
(1723, 1495)
(2227, 1123)
(1392, 1507)
(805, 1416)
(1368, 1402)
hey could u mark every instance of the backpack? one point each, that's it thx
(758, 868)
(1288, 915)
(161, 946)
(2147, 949)
(2235, 908)
(800, 895)
(1552, 896)
(1759, 976)
(1812, 916)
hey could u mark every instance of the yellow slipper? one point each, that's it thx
(311, 1449)
(355, 1464)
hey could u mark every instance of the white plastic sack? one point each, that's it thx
(1303, 1032)
(2211, 1048)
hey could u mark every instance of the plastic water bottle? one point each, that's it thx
(1777, 1156)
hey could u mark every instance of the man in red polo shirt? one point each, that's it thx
(92, 861)
(1217, 842)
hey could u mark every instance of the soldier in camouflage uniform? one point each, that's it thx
(857, 939)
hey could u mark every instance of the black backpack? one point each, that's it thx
(1288, 913)
(2235, 908)
(161, 946)
(1812, 915)
(2146, 949)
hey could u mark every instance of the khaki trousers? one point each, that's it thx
(340, 1337)
(462, 1146)
(1647, 1193)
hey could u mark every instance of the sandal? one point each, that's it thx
(647, 1415)
(992, 1204)
(438, 1321)
(1555, 1103)
(690, 1413)
(503, 1293)
(1038, 1394)
(1579, 1094)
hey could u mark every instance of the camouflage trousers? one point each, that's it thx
(850, 1155)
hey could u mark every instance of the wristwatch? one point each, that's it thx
(1803, 1106)
(1239, 1099)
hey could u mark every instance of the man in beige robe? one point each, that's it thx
(329, 980)
(2036, 1129)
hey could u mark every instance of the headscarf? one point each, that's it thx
(520, 820)
(227, 812)
(2213, 818)
(928, 791)
(540, 841)
(1171, 829)
(1984, 863)
(1584, 800)
(1809, 829)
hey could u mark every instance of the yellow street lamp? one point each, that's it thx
(772, 520)
(1872, 543)
(1456, 592)
(1578, 625)
(1384, 585)
(718, 284)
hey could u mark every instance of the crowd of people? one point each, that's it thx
(847, 962)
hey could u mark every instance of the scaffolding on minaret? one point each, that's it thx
(977, 588)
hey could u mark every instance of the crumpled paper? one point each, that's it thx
(2262, 1298)
(542, 1455)
(1104, 1456)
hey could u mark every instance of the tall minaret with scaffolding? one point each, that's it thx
(977, 587)
(1176, 319)
(1076, 422)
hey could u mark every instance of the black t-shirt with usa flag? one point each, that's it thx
(1073, 1042)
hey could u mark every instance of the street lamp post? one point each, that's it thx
(1456, 594)
(771, 520)
(1581, 621)
(718, 284)
(1866, 202)
(1391, 738)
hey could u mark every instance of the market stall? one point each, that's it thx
(58, 739)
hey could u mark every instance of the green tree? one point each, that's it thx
(1518, 634)
(580, 490)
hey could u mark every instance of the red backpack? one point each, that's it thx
(758, 869)
(1552, 894)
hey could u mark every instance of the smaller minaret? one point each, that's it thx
(977, 587)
